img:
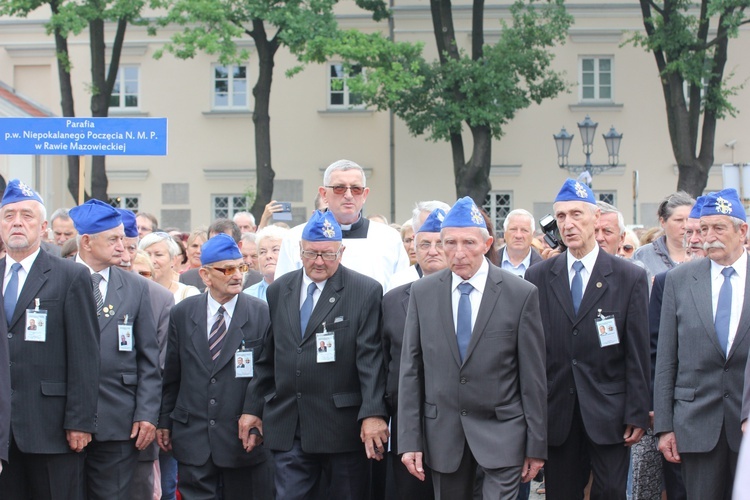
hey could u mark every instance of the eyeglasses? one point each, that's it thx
(145, 274)
(355, 190)
(228, 271)
(426, 245)
(309, 254)
(628, 248)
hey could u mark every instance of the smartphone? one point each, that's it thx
(286, 211)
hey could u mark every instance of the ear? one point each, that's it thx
(203, 272)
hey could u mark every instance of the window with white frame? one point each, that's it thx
(595, 78)
(339, 95)
(224, 206)
(230, 87)
(607, 197)
(126, 89)
(498, 205)
(128, 201)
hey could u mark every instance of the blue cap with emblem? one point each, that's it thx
(433, 222)
(464, 213)
(572, 190)
(18, 191)
(322, 226)
(724, 202)
(695, 212)
(128, 220)
(220, 247)
(94, 217)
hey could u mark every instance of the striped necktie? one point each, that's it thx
(218, 332)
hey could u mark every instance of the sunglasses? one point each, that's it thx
(228, 271)
(628, 248)
(356, 190)
(145, 274)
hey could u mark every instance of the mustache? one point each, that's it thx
(715, 244)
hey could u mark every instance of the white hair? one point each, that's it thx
(247, 214)
(270, 233)
(519, 212)
(157, 237)
(426, 206)
(342, 165)
(606, 208)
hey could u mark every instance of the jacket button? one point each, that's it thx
(726, 394)
(299, 373)
(213, 380)
(10, 335)
(463, 380)
(299, 350)
(575, 363)
(575, 332)
(212, 401)
(212, 422)
(464, 413)
(299, 395)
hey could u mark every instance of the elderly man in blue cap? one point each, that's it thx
(704, 339)
(471, 389)
(594, 309)
(205, 387)
(130, 382)
(55, 370)
(323, 410)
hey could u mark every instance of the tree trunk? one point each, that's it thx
(261, 118)
(473, 179)
(66, 100)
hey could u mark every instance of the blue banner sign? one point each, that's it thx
(84, 136)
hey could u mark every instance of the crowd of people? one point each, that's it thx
(344, 358)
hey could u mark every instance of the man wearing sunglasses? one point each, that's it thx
(162, 301)
(209, 336)
(374, 250)
(130, 379)
(323, 412)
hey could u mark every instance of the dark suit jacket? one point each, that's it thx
(495, 401)
(55, 383)
(654, 318)
(328, 399)
(130, 384)
(535, 257)
(395, 305)
(697, 388)
(202, 399)
(192, 277)
(4, 388)
(610, 383)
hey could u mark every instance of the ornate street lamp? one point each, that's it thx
(587, 128)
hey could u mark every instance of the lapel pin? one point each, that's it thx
(331, 300)
(598, 284)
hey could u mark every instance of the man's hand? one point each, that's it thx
(548, 253)
(163, 440)
(374, 434)
(413, 462)
(250, 431)
(145, 431)
(530, 468)
(668, 447)
(77, 440)
(271, 208)
(632, 435)
(744, 424)
(651, 420)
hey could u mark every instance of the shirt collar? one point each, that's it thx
(104, 273)
(213, 306)
(25, 262)
(588, 260)
(525, 262)
(306, 280)
(477, 281)
(739, 265)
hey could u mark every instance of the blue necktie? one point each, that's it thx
(307, 307)
(463, 322)
(11, 293)
(576, 287)
(724, 309)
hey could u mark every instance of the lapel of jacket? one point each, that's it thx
(444, 307)
(327, 300)
(234, 335)
(492, 290)
(34, 281)
(198, 333)
(700, 289)
(744, 324)
(114, 297)
(560, 286)
(597, 285)
(404, 299)
(290, 301)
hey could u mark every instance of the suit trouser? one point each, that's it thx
(408, 486)
(711, 474)
(143, 477)
(297, 474)
(201, 482)
(498, 484)
(42, 476)
(673, 482)
(110, 466)
(566, 471)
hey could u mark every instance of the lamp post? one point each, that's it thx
(587, 128)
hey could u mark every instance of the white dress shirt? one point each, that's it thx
(213, 311)
(475, 297)
(588, 262)
(738, 292)
(23, 273)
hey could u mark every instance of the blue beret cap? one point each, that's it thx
(128, 220)
(220, 247)
(573, 190)
(464, 213)
(695, 212)
(724, 202)
(433, 222)
(322, 226)
(18, 191)
(94, 217)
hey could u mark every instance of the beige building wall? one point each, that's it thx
(211, 152)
